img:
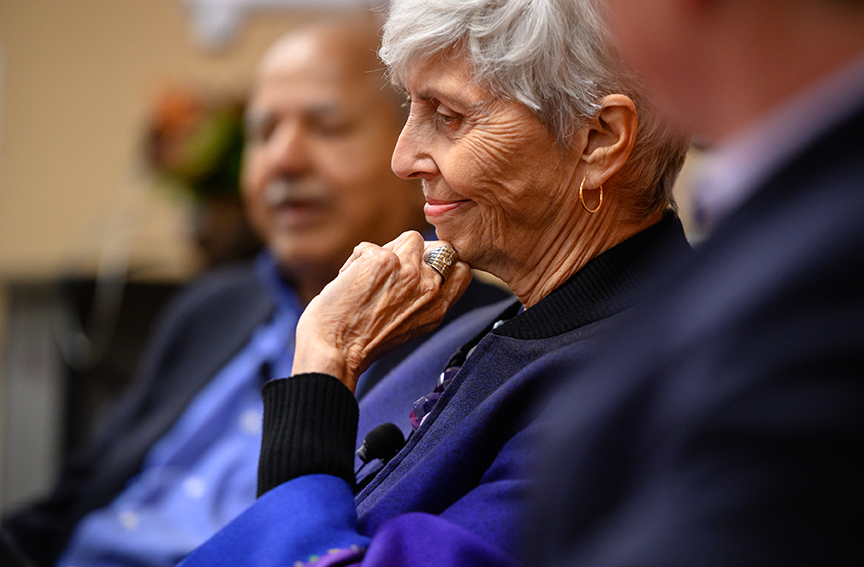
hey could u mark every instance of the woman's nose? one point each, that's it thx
(412, 158)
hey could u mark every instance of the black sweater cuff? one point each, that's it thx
(310, 427)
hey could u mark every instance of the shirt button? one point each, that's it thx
(194, 486)
(250, 421)
(129, 520)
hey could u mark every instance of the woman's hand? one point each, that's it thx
(382, 298)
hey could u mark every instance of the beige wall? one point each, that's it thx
(78, 79)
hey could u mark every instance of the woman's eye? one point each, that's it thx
(446, 116)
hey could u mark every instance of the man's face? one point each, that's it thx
(316, 176)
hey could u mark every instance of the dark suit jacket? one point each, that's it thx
(200, 332)
(725, 425)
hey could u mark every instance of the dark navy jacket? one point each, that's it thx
(732, 433)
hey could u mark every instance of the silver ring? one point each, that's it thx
(441, 259)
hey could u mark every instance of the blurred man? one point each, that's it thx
(732, 435)
(180, 458)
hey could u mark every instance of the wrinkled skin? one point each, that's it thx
(383, 297)
(496, 183)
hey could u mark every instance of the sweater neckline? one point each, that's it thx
(608, 284)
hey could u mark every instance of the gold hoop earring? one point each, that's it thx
(582, 199)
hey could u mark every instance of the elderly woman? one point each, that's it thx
(536, 167)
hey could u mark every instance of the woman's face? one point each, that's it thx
(497, 186)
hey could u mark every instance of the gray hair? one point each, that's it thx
(555, 57)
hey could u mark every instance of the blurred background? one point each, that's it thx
(120, 138)
(120, 135)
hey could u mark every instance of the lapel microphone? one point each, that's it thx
(383, 442)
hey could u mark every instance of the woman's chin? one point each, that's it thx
(444, 233)
(464, 244)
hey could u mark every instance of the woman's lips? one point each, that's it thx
(435, 207)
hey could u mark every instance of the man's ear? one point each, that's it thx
(610, 139)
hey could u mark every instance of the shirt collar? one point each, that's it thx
(279, 289)
(612, 282)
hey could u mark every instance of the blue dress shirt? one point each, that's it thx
(203, 472)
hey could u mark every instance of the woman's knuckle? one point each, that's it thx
(388, 258)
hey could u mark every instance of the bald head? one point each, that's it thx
(343, 47)
(321, 128)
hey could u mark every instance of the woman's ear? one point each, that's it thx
(610, 138)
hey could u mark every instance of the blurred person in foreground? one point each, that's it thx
(732, 432)
(543, 164)
(180, 459)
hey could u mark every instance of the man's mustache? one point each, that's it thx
(281, 191)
